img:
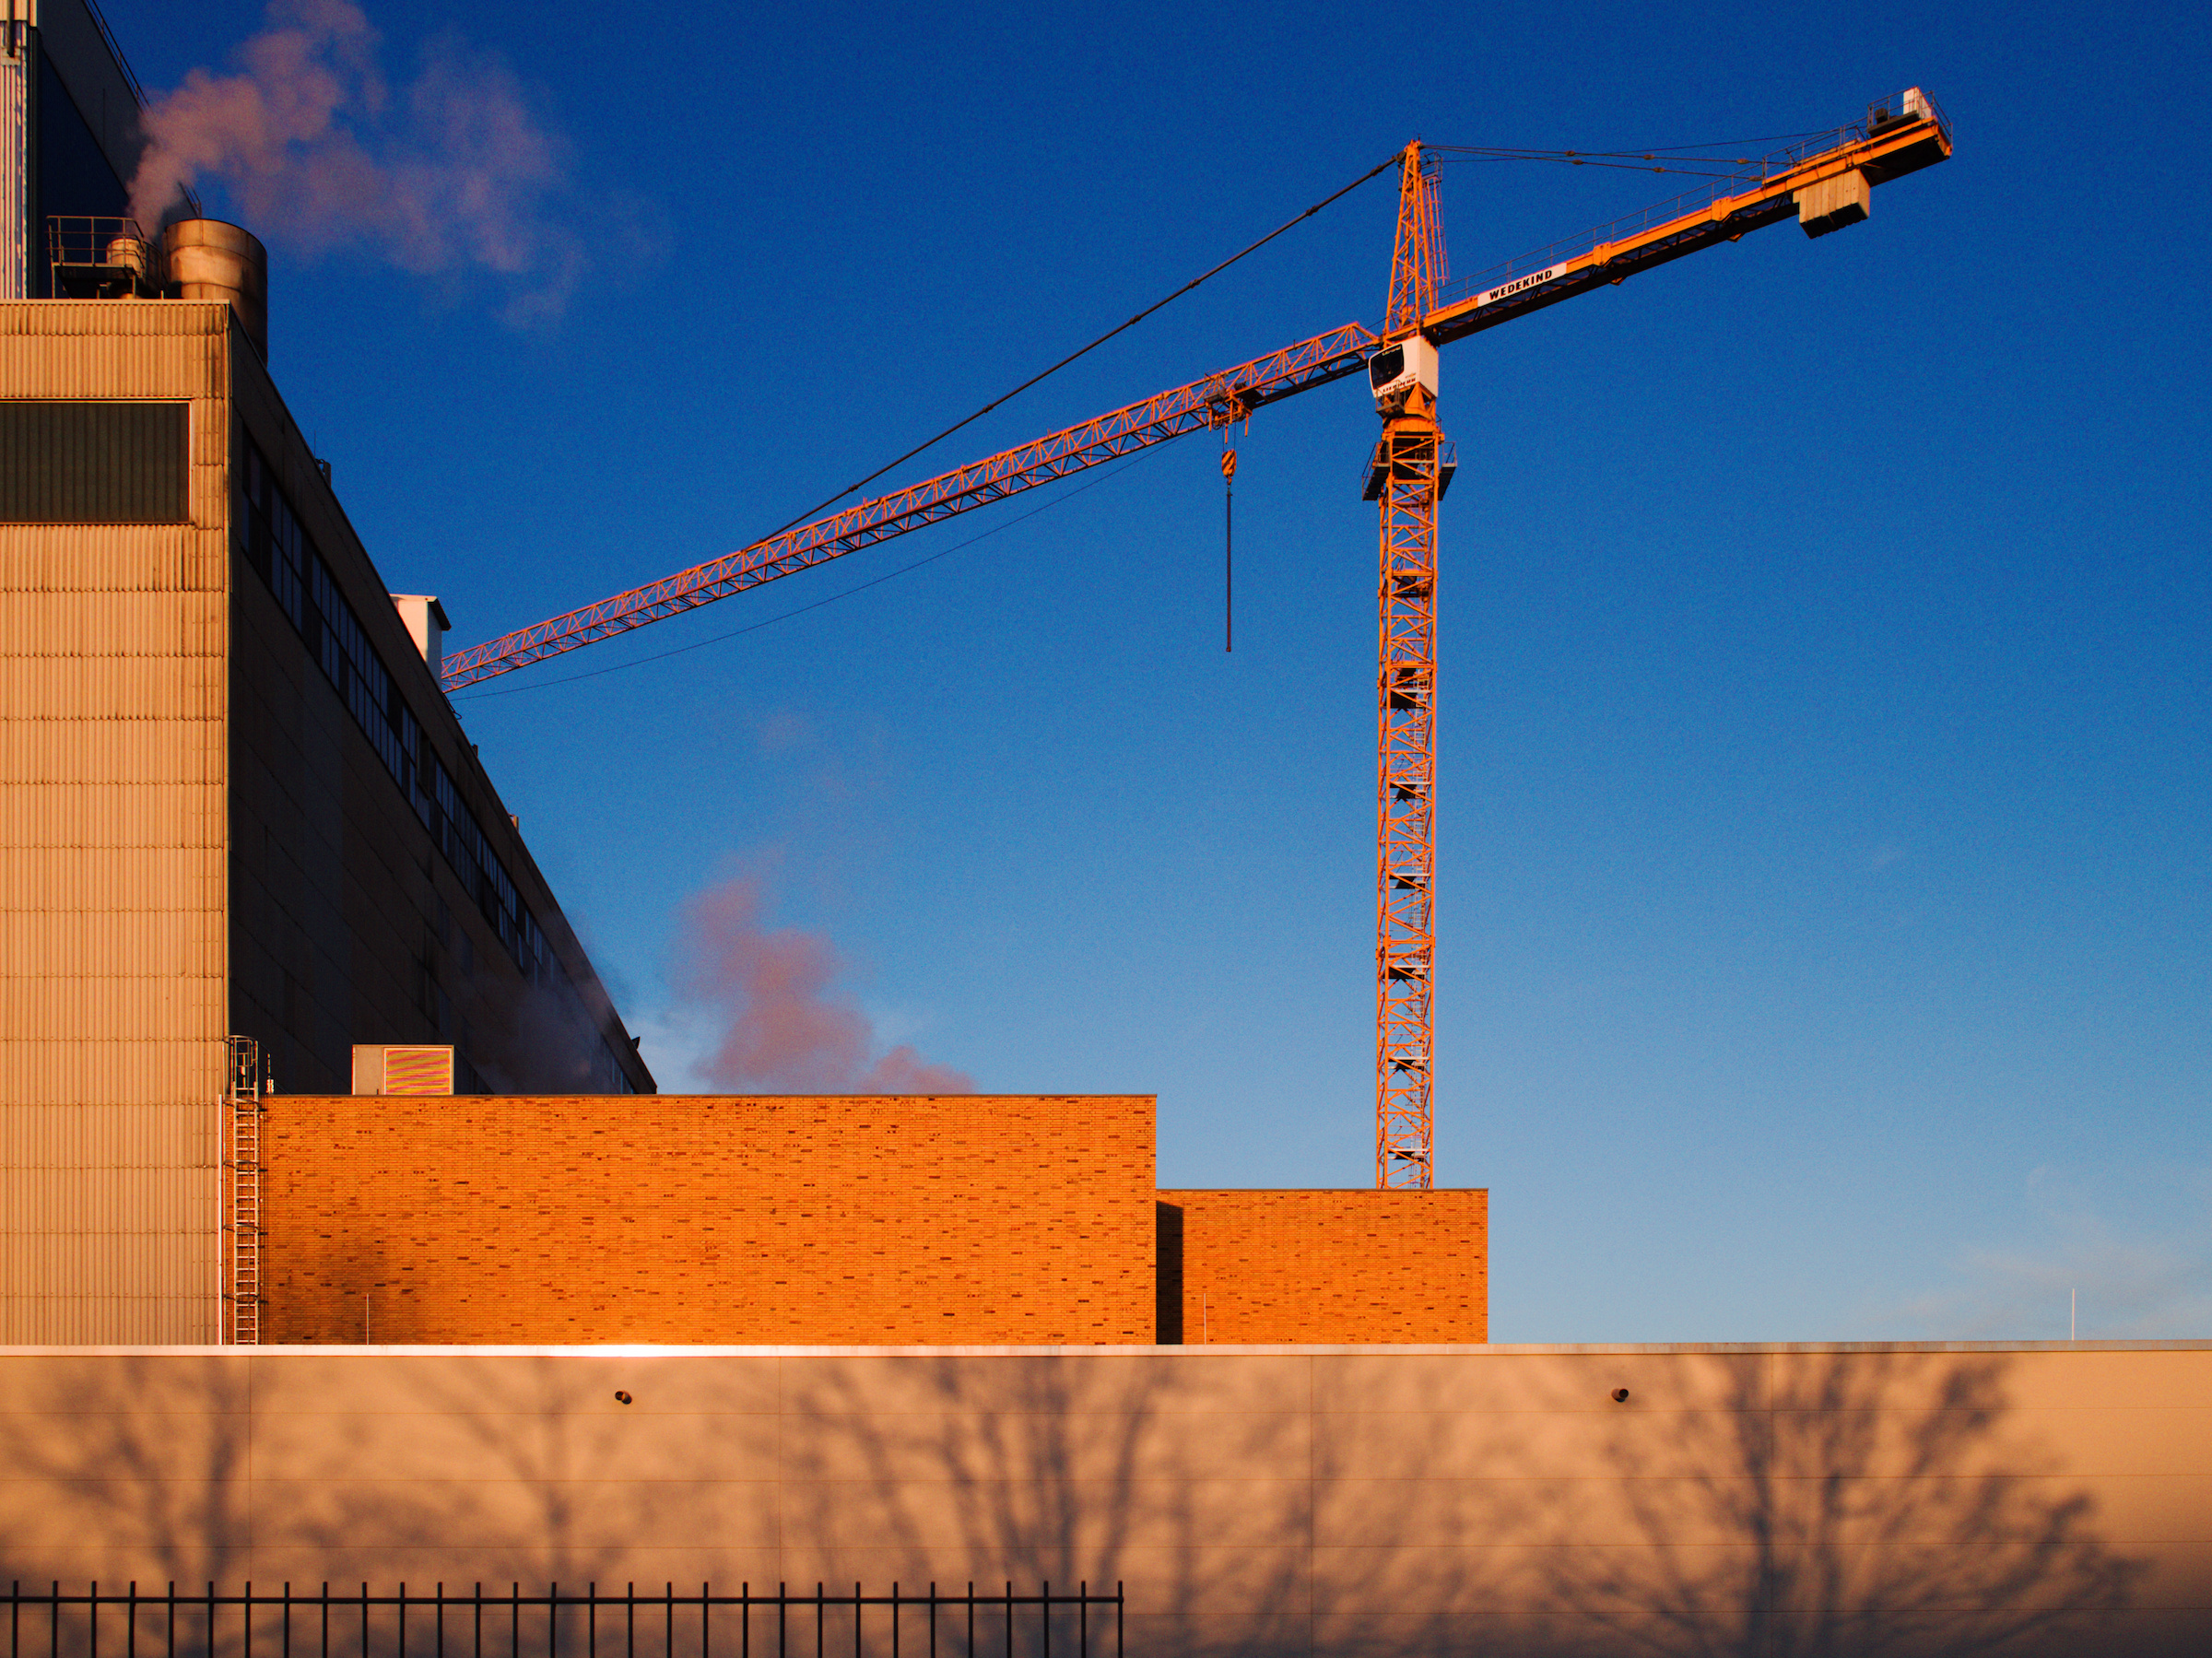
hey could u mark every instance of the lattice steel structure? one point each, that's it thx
(1821, 182)
(1408, 478)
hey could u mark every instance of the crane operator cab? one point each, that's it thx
(1395, 370)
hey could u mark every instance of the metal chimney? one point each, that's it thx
(210, 260)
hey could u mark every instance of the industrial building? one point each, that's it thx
(238, 817)
(233, 799)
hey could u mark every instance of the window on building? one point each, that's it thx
(94, 462)
(270, 538)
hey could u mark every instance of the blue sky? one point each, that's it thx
(1823, 873)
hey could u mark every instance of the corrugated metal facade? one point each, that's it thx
(15, 171)
(113, 846)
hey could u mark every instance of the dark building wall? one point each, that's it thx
(83, 138)
(351, 921)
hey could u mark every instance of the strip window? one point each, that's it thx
(308, 592)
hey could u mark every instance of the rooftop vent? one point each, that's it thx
(383, 1068)
(425, 619)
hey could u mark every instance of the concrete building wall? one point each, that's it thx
(1354, 1265)
(113, 773)
(350, 926)
(677, 1218)
(1897, 1499)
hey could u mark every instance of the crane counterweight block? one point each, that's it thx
(1831, 204)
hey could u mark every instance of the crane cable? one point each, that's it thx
(1229, 568)
(1123, 328)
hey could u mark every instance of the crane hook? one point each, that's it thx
(1228, 585)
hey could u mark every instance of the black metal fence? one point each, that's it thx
(172, 1623)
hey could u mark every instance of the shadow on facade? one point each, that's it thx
(1780, 1504)
(1841, 1503)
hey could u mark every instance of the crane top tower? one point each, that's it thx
(1824, 183)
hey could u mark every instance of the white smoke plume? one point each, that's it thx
(782, 1025)
(452, 172)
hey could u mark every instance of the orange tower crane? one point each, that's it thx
(1408, 475)
(1823, 183)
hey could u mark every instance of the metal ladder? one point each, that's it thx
(243, 1229)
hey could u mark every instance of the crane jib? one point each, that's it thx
(1508, 289)
(1899, 137)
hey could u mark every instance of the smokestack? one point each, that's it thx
(210, 260)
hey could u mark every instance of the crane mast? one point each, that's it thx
(1822, 181)
(1406, 475)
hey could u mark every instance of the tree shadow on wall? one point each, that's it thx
(1812, 1504)
(123, 1467)
(1186, 1481)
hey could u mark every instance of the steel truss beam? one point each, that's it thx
(1212, 402)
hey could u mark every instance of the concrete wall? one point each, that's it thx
(671, 1217)
(1355, 1266)
(113, 772)
(1743, 1500)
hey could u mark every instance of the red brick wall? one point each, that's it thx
(969, 1218)
(1348, 1266)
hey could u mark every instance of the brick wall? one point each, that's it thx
(1362, 1265)
(972, 1218)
